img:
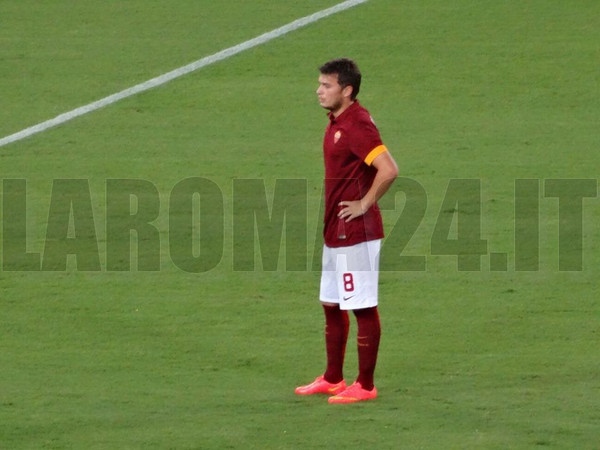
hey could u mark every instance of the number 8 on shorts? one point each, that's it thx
(348, 282)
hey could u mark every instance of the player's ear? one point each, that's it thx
(347, 91)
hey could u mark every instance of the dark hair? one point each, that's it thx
(347, 72)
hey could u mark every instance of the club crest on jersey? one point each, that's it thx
(337, 136)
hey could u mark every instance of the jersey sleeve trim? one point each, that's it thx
(375, 153)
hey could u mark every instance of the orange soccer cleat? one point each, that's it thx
(321, 386)
(353, 393)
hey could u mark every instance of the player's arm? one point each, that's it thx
(387, 171)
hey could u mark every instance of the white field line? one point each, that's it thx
(169, 76)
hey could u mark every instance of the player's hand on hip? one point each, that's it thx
(351, 210)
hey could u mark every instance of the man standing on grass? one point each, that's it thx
(358, 171)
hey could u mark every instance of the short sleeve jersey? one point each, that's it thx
(351, 144)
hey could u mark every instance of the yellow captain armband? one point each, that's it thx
(375, 153)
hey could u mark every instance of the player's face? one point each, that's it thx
(331, 95)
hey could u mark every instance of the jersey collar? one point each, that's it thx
(345, 114)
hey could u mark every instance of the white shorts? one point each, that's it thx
(350, 275)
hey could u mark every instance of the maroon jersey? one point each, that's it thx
(350, 145)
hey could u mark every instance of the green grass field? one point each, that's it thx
(493, 358)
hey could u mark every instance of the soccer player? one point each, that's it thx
(359, 169)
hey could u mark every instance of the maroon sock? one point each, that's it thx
(336, 335)
(369, 332)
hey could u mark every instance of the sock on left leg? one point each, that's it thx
(369, 333)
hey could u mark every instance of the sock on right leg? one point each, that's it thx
(336, 336)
